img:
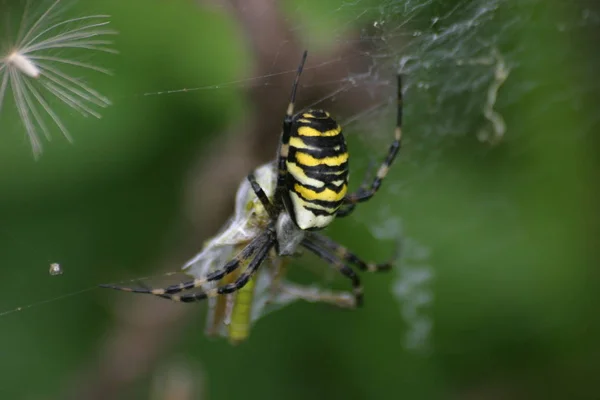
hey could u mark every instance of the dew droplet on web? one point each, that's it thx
(55, 269)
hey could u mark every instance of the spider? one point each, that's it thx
(310, 192)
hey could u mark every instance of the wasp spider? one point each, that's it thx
(311, 187)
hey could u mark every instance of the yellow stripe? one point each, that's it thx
(325, 195)
(298, 143)
(308, 131)
(310, 161)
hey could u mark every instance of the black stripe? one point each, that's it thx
(323, 173)
(318, 212)
(318, 153)
(318, 170)
(319, 124)
(316, 114)
(327, 179)
(325, 176)
(323, 142)
(327, 185)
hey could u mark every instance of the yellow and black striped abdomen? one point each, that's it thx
(317, 166)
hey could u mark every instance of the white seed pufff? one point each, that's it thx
(32, 62)
(55, 269)
(24, 64)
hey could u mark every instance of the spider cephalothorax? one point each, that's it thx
(310, 180)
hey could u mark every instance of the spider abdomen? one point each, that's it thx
(317, 166)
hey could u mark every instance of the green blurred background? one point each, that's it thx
(511, 229)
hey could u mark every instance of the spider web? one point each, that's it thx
(456, 59)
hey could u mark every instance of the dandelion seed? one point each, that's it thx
(33, 64)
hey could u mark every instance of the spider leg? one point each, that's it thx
(365, 194)
(239, 283)
(284, 146)
(262, 196)
(255, 245)
(347, 209)
(335, 262)
(343, 253)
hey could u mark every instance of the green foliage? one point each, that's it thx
(512, 229)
